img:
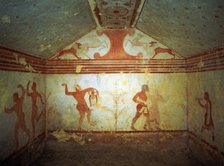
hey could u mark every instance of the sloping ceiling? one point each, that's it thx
(44, 27)
(189, 27)
(116, 14)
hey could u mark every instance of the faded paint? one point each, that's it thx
(104, 44)
(115, 108)
(78, 68)
(15, 116)
(116, 14)
(211, 82)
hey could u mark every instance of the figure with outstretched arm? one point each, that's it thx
(206, 104)
(20, 116)
(82, 106)
(34, 96)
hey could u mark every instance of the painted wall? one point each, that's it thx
(116, 44)
(212, 83)
(116, 91)
(16, 117)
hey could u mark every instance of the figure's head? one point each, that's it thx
(77, 45)
(15, 97)
(34, 86)
(145, 88)
(206, 96)
(78, 88)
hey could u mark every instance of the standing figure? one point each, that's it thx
(34, 95)
(143, 105)
(154, 111)
(208, 121)
(82, 106)
(18, 109)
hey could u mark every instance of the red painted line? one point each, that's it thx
(206, 67)
(15, 65)
(7, 57)
(118, 60)
(3, 49)
(197, 71)
(134, 14)
(120, 131)
(112, 71)
(22, 149)
(28, 60)
(116, 69)
(118, 66)
(207, 53)
(10, 63)
(208, 63)
(215, 148)
(215, 57)
(18, 70)
(115, 64)
(115, 72)
(7, 62)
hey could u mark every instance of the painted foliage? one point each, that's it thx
(117, 102)
(116, 44)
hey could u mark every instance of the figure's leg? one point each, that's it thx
(157, 120)
(33, 126)
(213, 133)
(154, 55)
(202, 128)
(34, 119)
(37, 117)
(137, 115)
(88, 116)
(26, 130)
(82, 115)
(157, 124)
(213, 136)
(171, 53)
(147, 122)
(16, 134)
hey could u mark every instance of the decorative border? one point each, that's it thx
(208, 61)
(119, 131)
(11, 60)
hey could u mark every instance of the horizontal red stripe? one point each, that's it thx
(8, 62)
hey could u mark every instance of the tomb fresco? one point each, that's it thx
(17, 111)
(116, 44)
(112, 102)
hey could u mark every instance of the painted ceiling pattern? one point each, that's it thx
(114, 14)
(43, 28)
(132, 44)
